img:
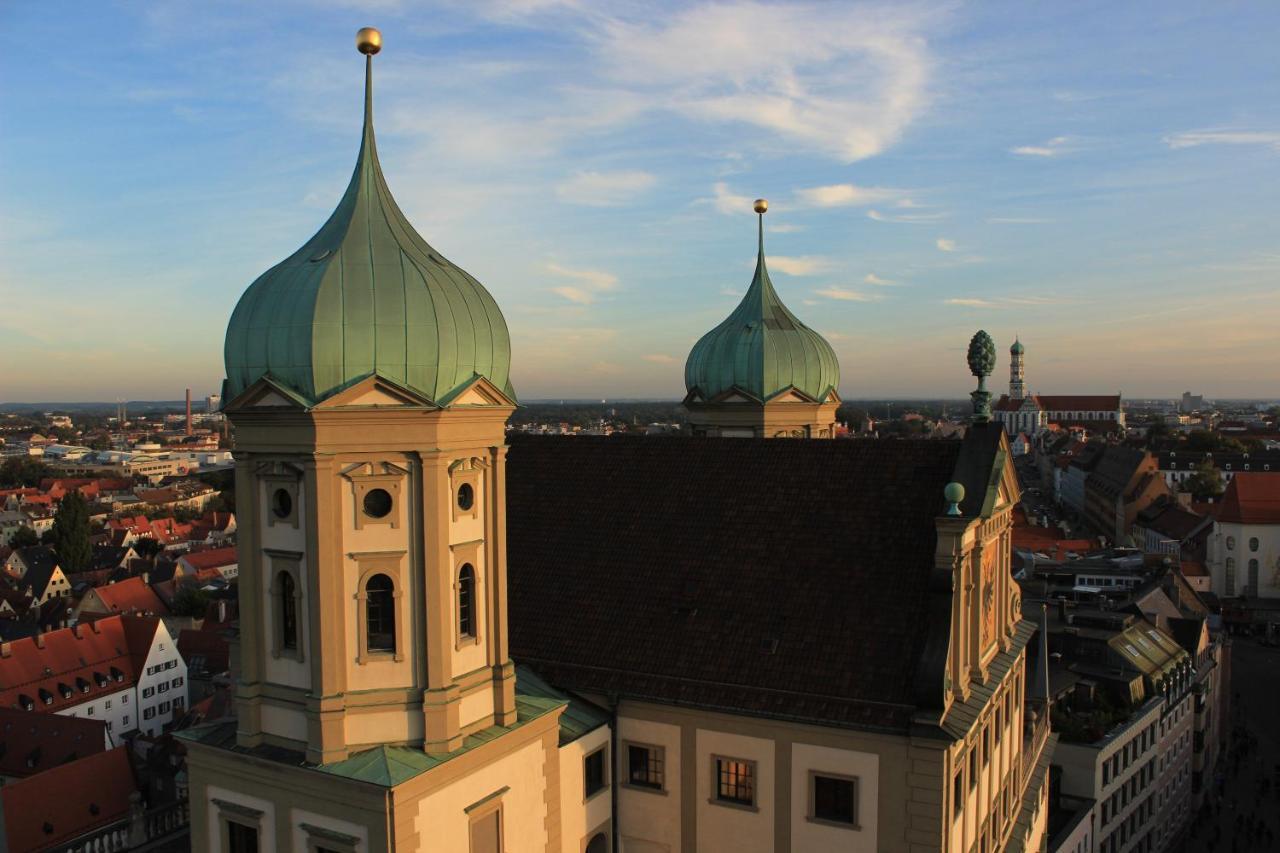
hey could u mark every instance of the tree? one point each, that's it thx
(1204, 482)
(23, 537)
(146, 547)
(71, 533)
(20, 472)
(1157, 431)
(191, 600)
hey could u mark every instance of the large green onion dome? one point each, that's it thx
(762, 348)
(366, 295)
(1017, 348)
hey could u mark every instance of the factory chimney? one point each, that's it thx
(188, 411)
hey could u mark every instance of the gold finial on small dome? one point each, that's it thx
(368, 41)
(761, 205)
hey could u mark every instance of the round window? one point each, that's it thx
(377, 503)
(1231, 543)
(466, 496)
(281, 503)
(1253, 543)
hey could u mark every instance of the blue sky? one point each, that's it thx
(1098, 178)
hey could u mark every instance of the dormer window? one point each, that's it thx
(46, 697)
(27, 703)
(116, 675)
(82, 685)
(100, 679)
(65, 690)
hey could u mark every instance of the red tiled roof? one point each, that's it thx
(210, 644)
(52, 808)
(31, 743)
(1251, 498)
(212, 559)
(75, 665)
(131, 596)
(1194, 569)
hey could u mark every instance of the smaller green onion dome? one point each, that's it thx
(762, 348)
(1016, 349)
(366, 296)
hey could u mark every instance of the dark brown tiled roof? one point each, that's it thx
(787, 578)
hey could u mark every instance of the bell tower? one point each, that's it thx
(1017, 377)
(368, 385)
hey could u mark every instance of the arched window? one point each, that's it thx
(1231, 575)
(380, 614)
(598, 844)
(288, 611)
(467, 601)
(1252, 588)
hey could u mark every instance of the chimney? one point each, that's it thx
(188, 411)
(5, 651)
(39, 640)
(222, 610)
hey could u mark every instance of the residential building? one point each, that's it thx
(71, 807)
(1167, 526)
(705, 673)
(1070, 485)
(1190, 402)
(1124, 482)
(31, 743)
(221, 560)
(124, 670)
(131, 595)
(37, 573)
(1178, 465)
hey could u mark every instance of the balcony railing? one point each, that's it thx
(1034, 734)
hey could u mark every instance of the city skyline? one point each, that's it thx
(158, 161)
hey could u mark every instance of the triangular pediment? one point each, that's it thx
(478, 392)
(376, 391)
(791, 394)
(266, 393)
(736, 396)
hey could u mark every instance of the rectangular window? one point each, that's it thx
(957, 794)
(241, 838)
(986, 746)
(833, 799)
(486, 833)
(645, 766)
(593, 773)
(735, 781)
(973, 769)
(107, 704)
(125, 721)
(90, 712)
(148, 713)
(124, 700)
(164, 707)
(177, 682)
(162, 687)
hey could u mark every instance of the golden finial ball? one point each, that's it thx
(368, 41)
(761, 205)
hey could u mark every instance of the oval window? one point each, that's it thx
(466, 496)
(1231, 543)
(1253, 543)
(377, 503)
(281, 503)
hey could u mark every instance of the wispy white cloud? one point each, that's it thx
(907, 218)
(727, 201)
(604, 189)
(784, 228)
(590, 283)
(945, 245)
(1003, 302)
(660, 358)
(1223, 136)
(845, 294)
(798, 265)
(833, 78)
(1051, 148)
(844, 195)
(876, 281)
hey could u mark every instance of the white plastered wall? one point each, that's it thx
(727, 827)
(819, 838)
(649, 821)
(579, 816)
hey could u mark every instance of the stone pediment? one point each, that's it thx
(478, 392)
(376, 391)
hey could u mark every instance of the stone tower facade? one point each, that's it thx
(1017, 375)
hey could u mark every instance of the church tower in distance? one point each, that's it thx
(1017, 375)
(762, 373)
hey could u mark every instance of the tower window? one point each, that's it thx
(466, 497)
(288, 612)
(281, 503)
(380, 614)
(467, 601)
(377, 503)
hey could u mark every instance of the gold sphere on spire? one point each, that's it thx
(368, 41)
(761, 205)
